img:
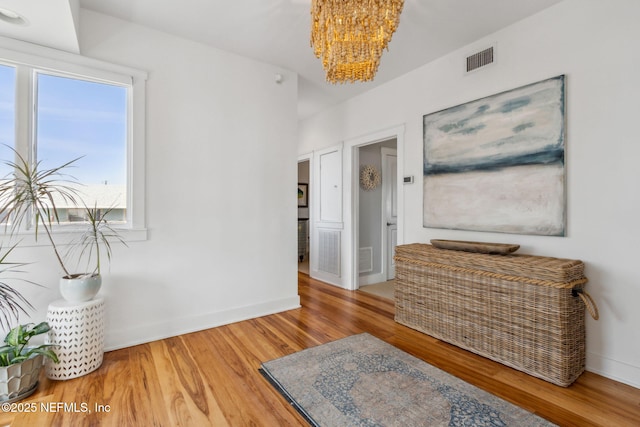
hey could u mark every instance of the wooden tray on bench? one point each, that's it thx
(478, 247)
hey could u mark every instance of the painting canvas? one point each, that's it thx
(497, 163)
(303, 195)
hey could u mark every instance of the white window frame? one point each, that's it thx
(30, 59)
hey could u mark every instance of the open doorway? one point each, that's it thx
(303, 215)
(377, 211)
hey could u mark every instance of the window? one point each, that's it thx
(56, 107)
(84, 120)
(7, 114)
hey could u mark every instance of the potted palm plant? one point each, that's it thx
(30, 193)
(91, 245)
(20, 363)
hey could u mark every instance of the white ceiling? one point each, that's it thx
(277, 32)
(48, 22)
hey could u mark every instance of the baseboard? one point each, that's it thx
(613, 369)
(129, 337)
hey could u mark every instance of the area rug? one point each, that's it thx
(363, 381)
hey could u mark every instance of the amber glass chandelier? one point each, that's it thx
(350, 35)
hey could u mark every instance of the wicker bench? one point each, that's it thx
(520, 310)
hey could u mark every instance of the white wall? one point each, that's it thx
(595, 44)
(370, 213)
(221, 166)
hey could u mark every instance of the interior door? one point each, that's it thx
(390, 207)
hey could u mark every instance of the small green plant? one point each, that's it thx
(16, 348)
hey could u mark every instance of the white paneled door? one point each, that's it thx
(326, 257)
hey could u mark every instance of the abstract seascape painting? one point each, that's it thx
(497, 163)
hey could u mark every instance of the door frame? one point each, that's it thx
(351, 195)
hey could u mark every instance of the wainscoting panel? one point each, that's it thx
(329, 251)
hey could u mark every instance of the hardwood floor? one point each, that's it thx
(211, 377)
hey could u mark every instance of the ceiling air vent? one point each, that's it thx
(480, 59)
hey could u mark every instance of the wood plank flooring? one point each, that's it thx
(211, 377)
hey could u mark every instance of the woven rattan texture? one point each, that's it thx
(555, 272)
(526, 319)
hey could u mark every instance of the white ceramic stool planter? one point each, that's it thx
(77, 330)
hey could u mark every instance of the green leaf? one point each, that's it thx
(5, 358)
(44, 349)
(15, 336)
(41, 328)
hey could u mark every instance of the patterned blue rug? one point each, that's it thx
(363, 381)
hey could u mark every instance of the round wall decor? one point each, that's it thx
(369, 177)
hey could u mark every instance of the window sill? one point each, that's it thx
(66, 236)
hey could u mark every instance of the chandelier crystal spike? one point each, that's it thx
(349, 36)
